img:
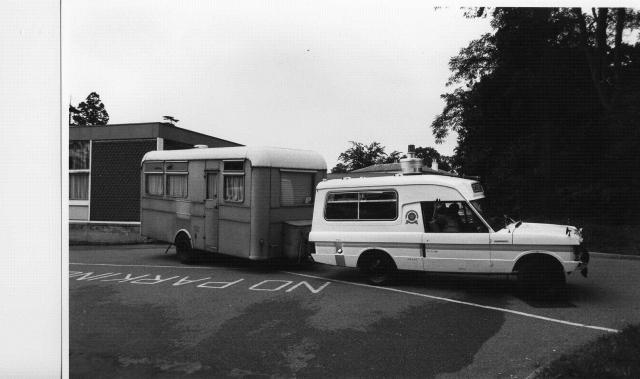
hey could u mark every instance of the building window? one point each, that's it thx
(212, 187)
(79, 186)
(79, 170)
(296, 188)
(362, 205)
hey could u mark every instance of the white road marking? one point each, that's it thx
(505, 310)
(151, 266)
(462, 303)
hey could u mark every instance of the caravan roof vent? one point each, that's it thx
(200, 146)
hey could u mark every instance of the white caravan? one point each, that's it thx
(250, 202)
(435, 223)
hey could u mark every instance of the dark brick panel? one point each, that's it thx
(115, 179)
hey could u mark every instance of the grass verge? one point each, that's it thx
(610, 356)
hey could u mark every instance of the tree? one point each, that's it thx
(545, 108)
(429, 154)
(360, 155)
(89, 112)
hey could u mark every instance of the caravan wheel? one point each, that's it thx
(183, 248)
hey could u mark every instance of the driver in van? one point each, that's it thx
(448, 219)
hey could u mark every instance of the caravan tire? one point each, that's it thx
(183, 249)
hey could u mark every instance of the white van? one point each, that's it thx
(435, 223)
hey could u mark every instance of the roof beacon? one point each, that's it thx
(411, 165)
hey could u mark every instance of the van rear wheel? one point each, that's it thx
(183, 249)
(379, 269)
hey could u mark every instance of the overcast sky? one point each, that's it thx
(301, 74)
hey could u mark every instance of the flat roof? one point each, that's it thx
(144, 130)
(259, 156)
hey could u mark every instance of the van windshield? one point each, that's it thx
(496, 222)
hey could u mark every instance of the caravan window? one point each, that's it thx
(234, 188)
(233, 181)
(361, 205)
(177, 178)
(296, 188)
(154, 178)
(212, 188)
(170, 175)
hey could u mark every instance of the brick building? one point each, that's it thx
(104, 174)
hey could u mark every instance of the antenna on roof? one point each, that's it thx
(171, 119)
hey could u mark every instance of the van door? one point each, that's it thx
(211, 212)
(455, 239)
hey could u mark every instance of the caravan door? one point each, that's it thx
(211, 212)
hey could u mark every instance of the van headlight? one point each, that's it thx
(580, 253)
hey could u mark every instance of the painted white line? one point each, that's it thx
(462, 303)
(150, 266)
(384, 289)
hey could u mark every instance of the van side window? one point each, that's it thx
(450, 217)
(361, 205)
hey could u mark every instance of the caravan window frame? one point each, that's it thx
(164, 170)
(170, 171)
(233, 172)
(312, 179)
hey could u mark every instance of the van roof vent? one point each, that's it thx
(411, 165)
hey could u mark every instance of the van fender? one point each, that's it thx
(539, 255)
(369, 251)
(185, 231)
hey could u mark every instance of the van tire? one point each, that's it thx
(542, 280)
(183, 248)
(378, 268)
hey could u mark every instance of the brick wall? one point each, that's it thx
(115, 179)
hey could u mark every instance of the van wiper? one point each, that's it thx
(508, 221)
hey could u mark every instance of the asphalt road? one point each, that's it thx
(135, 312)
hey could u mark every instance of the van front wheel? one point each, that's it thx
(379, 269)
(542, 281)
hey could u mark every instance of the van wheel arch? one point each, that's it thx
(377, 266)
(184, 246)
(540, 275)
